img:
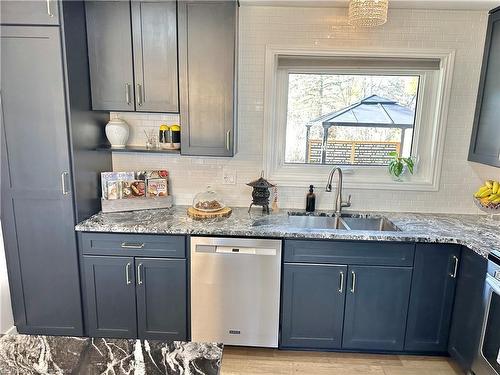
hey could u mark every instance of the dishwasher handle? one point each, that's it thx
(214, 249)
(245, 250)
(236, 250)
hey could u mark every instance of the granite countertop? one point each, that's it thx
(59, 355)
(479, 233)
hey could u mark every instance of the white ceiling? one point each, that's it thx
(422, 4)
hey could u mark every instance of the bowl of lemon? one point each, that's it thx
(487, 198)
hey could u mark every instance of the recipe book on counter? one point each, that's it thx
(139, 190)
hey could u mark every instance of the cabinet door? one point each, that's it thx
(432, 295)
(109, 38)
(154, 26)
(313, 306)
(207, 55)
(38, 12)
(485, 142)
(37, 206)
(110, 296)
(161, 298)
(376, 307)
(468, 311)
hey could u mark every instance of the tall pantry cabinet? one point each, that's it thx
(49, 169)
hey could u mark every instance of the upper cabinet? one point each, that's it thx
(485, 142)
(207, 76)
(154, 34)
(38, 12)
(133, 55)
(110, 55)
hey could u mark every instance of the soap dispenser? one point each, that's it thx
(310, 200)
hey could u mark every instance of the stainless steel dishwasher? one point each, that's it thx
(235, 291)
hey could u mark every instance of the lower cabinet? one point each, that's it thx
(435, 273)
(161, 298)
(468, 310)
(313, 306)
(345, 306)
(129, 297)
(110, 291)
(376, 308)
(394, 297)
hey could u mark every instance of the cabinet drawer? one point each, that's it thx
(133, 245)
(349, 252)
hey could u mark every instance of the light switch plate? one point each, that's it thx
(228, 176)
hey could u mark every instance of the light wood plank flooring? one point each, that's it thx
(247, 361)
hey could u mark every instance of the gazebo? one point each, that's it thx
(374, 112)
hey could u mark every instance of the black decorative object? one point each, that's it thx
(260, 193)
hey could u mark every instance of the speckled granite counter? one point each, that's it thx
(58, 355)
(479, 233)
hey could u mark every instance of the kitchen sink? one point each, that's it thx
(317, 222)
(344, 222)
(369, 223)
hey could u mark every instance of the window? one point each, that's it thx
(347, 119)
(351, 109)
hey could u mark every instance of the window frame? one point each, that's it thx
(428, 142)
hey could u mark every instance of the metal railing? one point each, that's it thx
(345, 152)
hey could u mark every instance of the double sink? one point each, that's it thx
(342, 222)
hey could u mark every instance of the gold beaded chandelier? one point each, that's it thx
(368, 13)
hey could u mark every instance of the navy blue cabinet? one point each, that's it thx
(110, 296)
(376, 307)
(140, 293)
(435, 273)
(468, 311)
(361, 304)
(38, 219)
(313, 306)
(161, 298)
(485, 139)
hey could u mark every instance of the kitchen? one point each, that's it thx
(237, 87)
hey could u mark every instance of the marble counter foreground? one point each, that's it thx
(478, 232)
(60, 355)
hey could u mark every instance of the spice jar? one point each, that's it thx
(164, 136)
(175, 132)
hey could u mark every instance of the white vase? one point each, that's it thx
(117, 132)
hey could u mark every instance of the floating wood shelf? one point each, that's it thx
(139, 149)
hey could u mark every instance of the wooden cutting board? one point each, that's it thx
(200, 215)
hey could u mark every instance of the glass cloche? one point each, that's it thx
(208, 201)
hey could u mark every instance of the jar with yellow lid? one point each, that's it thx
(175, 133)
(164, 136)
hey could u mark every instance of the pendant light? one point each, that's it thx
(368, 13)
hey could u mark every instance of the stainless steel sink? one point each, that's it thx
(369, 223)
(344, 222)
(316, 222)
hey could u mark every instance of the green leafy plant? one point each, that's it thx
(398, 163)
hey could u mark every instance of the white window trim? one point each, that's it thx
(437, 96)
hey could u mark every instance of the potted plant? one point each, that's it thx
(399, 165)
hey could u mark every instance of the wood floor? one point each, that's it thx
(246, 361)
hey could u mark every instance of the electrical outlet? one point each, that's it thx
(228, 176)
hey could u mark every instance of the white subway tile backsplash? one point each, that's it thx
(462, 31)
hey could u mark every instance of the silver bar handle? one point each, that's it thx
(64, 188)
(139, 279)
(455, 267)
(228, 140)
(353, 285)
(139, 94)
(129, 245)
(341, 287)
(127, 273)
(49, 11)
(127, 93)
